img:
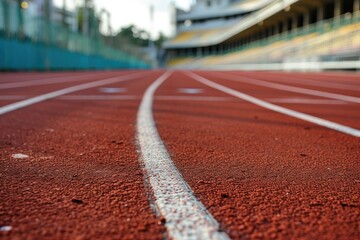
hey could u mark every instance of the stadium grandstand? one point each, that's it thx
(267, 35)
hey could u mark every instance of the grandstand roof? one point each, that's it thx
(272, 10)
(232, 9)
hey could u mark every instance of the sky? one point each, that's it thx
(137, 12)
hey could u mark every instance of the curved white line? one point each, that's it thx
(186, 217)
(276, 108)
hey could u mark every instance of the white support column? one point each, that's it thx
(277, 29)
(294, 23)
(285, 26)
(320, 13)
(199, 52)
(306, 19)
(221, 49)
(356, 6)
(337, 9)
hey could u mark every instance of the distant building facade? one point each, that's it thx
(58, 15)
(215, 13)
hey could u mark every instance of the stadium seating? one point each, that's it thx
(184, 37)
(179, 62)
(197, 37)
(335, 41)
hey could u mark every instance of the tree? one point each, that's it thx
(162, 38)
(133, 35)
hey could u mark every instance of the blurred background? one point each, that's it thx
(196, 34)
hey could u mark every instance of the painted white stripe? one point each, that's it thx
(47, 96)
(113, 90)
(307, 101)
(290, 88)
(190, 90)
(276, 108)
(47, 81)
(186, 217)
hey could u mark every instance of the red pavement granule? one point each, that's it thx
(261, 174)
(347, 114)
(82, 179)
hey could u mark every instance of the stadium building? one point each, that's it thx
(267, 35)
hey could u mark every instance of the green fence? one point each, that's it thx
(29, 42)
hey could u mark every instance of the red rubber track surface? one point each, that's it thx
(261, 174)
(329, 77)
(347, 114)
(20, 77)
(324, 83)
(32, 91)
(79, 150)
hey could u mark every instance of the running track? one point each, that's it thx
(184, 155)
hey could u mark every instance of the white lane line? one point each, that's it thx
(186, 217)
(307, 101)
(112, 90)
(283, 87)
(276, 108)
(190, 90)
(47, 96)
(47, 81)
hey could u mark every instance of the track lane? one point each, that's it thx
(289, 88)
(255, 173)
(46, 81)
(297, 80)
(82, 179)
(16, 94)
(9, 77)
(173, 198)
(212, 142)
(350, 78)
(346, 114)
(19, 77)
(31, 91)
(61, 79)
(63, 91)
